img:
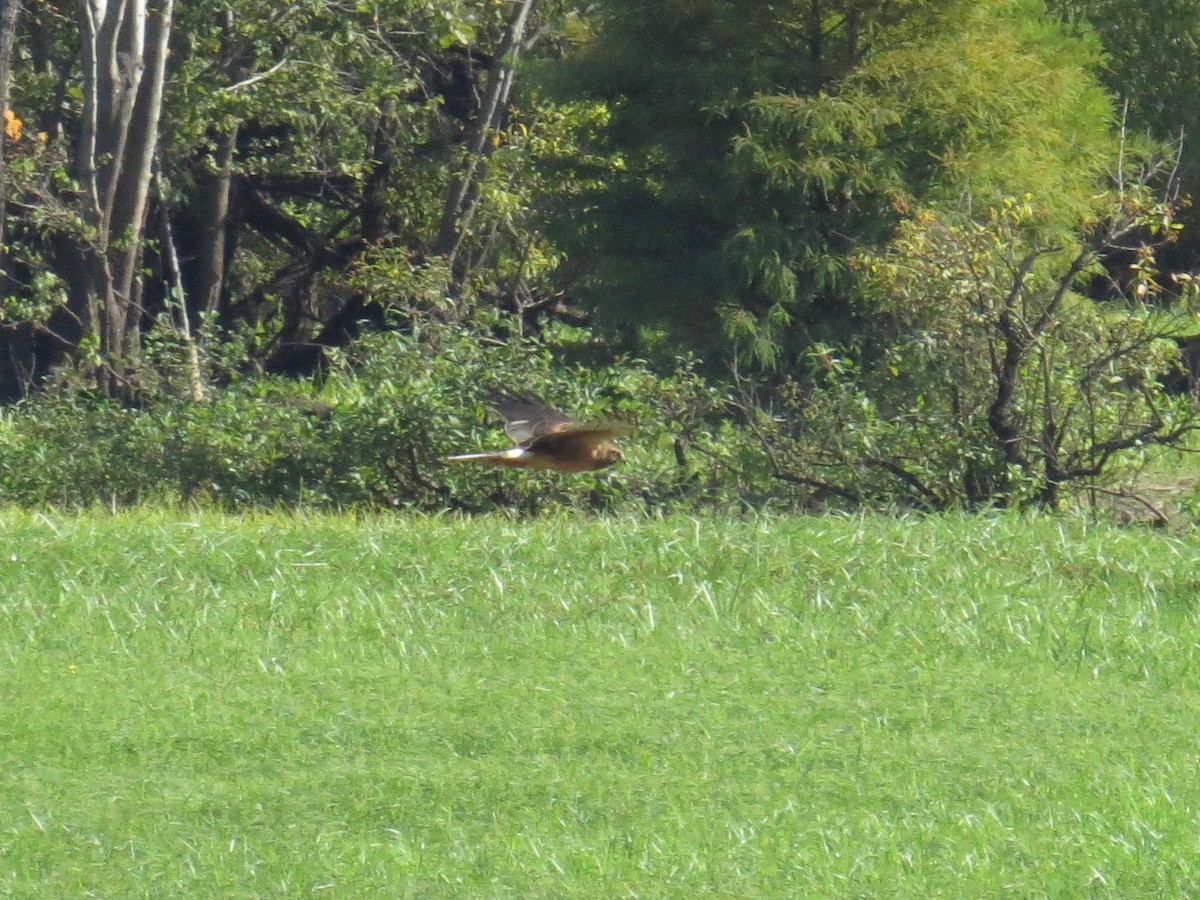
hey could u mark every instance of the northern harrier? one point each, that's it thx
(546, 439)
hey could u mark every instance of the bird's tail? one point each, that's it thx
(515, 458)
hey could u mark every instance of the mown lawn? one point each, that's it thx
(273, 706)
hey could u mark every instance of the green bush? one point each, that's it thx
(997, 383)
(373, 431)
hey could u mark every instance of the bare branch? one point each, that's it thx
(255, 79)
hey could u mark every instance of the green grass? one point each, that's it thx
(197, 705)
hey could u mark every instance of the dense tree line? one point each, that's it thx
(905, 224)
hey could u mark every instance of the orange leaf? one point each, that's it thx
(12, 125)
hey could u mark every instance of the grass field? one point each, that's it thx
(273, 706)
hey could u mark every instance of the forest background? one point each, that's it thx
(910, 253)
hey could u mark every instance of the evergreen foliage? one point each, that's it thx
(743, 181)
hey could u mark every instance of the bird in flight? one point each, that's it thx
(547, 439)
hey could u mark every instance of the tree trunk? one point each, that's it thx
(373, 212)
(124, 67)
(216, 190)
(213, 253)
(816, 32)
(10, 10)
(176, 302)
(462, 200)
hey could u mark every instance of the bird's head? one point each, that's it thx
(608, 455)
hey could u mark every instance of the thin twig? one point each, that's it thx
(1160, 517)
(255, 78)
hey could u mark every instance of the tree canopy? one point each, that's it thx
(742, 179)
(778, 191)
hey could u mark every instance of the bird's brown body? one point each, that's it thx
(547, 439)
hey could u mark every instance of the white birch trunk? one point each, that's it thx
(124, 70)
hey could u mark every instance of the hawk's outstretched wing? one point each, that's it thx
(527, 418)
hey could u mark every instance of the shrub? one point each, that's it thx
(373, 431)
(998, 384)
